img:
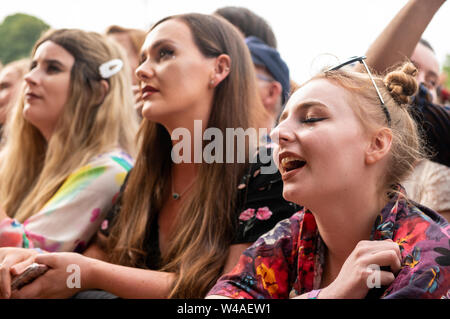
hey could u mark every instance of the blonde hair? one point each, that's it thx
(137, 36)
(396, 88)
(204, 228)
(32, 169)
(20, 66)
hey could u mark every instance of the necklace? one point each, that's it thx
(176, 195)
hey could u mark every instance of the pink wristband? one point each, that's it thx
(314, 293)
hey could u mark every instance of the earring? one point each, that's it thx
(211, 83)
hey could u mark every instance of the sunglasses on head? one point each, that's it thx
(361, 59)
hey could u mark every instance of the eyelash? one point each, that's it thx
(52, 69)
(165, 52)
(313, 120)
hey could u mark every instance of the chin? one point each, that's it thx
(292, 194)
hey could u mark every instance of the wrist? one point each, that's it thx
(90, 274)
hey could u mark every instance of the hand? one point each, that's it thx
(60, 280)
(352, 280)
(13, 261)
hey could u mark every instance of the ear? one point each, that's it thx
(272, 98)
(379, 146)
(104, 86)
(221, 70)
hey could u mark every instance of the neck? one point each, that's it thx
(347, 219)
(183, 177)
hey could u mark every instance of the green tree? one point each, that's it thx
(446, 69)
(18, 33)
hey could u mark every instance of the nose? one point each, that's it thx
(282, 134)
(145, 71)
(31, 78)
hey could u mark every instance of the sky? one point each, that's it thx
(306, 30)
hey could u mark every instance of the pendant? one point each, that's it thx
(175, 196)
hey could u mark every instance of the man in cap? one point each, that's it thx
(272, 74)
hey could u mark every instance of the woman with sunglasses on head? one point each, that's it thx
(68, 146)
(342, 153)
(179, 225)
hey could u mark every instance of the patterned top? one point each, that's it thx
(72, 216)
(260, 200)
(288, 261)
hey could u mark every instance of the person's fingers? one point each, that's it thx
(386, 258)
(5, 280)
(32, 290)
(20, 267)
(372, 247)
(386, 278)
(5, 275)
(48, 259)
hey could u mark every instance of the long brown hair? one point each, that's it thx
(204, 229)
(32, 169)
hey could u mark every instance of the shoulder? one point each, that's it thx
(419, 225)
(114, 158)
(286, 229)
(424, 240)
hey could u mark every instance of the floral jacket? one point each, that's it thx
(288, 260)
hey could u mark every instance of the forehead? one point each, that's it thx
(8, 73)
(320, 91)
(174, 30)
(51, 50)
(122, 38)
(425, 58)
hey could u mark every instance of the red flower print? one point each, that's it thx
(247, 214)
(94, 215)
(263, 213)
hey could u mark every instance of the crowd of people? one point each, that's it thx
(90, 170)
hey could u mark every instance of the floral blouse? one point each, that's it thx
(72, 216)
(288, 260)
(261, 207)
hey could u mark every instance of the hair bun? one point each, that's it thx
(401, 83)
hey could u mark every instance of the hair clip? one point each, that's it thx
(108, 69)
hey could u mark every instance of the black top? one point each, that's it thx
(434, 123)
(261, 207)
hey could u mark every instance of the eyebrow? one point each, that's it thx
(156, 45)
(49, 61)
(304, 106)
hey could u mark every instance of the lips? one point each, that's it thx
(148, 91)
(32, 95)
(290, 162)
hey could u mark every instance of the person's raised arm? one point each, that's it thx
(398, 40)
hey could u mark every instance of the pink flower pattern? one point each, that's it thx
(263, 213)
(247, 214)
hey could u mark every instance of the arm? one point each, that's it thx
(402, 34)
(124, 282)
(71, 217)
